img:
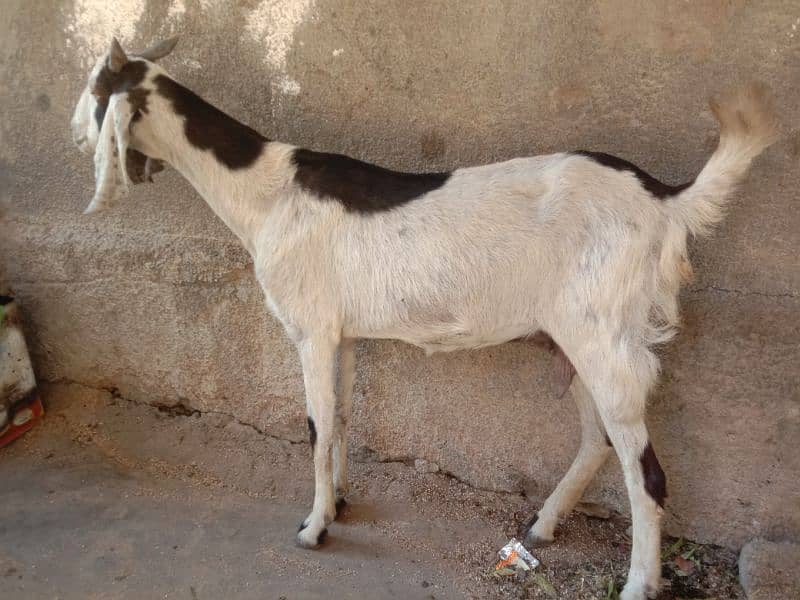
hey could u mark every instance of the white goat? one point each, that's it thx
(583, 246)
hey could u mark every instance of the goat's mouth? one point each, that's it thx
(141, 167)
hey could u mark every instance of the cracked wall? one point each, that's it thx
(156, 299)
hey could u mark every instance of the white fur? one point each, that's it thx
(111, 177)
(557, 243)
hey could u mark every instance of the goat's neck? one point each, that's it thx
(241, 197)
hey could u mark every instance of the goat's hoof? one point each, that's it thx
(307, 538)
(634, 591)
(533, 540)
(341, 503)
(526, 526)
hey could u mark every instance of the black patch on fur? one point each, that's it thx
(523, 529)
(5, 300)
(100, 112)
(340, 505)
(137, 98)
(312, 432)
(360, 187)
(234, 144)
(108, 82)
(655, 482)
(650, 183)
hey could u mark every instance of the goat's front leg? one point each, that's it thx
(318, 357)
(347, 373)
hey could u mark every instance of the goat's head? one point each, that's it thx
(108, 112)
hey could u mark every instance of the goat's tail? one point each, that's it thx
(748, 124)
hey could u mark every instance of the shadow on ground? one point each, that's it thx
(111, 499)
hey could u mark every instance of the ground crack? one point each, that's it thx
(172, 410)
(714, 288)
(234, 276)
(180, 409)
(408, 461)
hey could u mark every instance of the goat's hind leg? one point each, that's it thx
(347, 373)
(318, 357)
(594, 451)
(620, 389)
(646, 490)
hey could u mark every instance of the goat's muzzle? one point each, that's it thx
(141, 167)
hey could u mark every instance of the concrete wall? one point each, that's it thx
(157, 299)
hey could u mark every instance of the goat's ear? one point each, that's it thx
(111, 176)
(160, 50)
(116, 56)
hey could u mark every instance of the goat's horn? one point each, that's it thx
(116, 57)
(160, 50)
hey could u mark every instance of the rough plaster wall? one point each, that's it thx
(157, 299)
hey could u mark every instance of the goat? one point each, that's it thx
(584, 248)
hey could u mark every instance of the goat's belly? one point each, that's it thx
(448, 337)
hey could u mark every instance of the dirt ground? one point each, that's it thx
(111, 499)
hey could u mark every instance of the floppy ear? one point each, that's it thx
(111, 177)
